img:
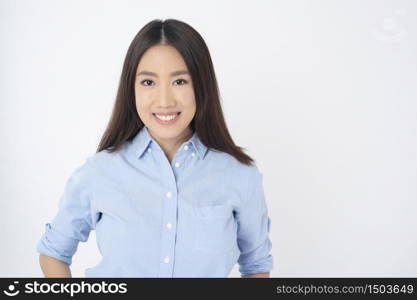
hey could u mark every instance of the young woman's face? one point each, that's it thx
(163, 87)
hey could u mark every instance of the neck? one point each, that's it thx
(170, 146)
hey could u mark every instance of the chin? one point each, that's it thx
(168, 132)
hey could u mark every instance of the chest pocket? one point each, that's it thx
(215, 229)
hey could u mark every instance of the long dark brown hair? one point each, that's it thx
(208, 122)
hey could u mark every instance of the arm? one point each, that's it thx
(257, 275)
(52, 267)
(72, 224)
(255, 260)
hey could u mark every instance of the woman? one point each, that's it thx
(168, 192)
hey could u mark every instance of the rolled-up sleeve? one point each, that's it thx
(253, 228)
(73, 221)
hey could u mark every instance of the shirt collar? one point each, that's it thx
(143, 139)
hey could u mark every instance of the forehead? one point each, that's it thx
(161, 58)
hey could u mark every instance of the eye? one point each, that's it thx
(145, 81)
(183, 80)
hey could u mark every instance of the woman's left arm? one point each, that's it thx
(257, 275)
(255, 258)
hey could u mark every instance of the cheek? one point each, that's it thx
(143, 111)
(142, 102)
(189, 112)
(188, 99)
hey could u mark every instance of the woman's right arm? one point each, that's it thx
(72, 224)
(52, 267)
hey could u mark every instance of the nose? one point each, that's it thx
(165, 97)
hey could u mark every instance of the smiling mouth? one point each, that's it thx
(166, 119)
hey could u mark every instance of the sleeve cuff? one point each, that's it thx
(54, 244)
(263, 265)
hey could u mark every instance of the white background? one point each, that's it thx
(321, 93)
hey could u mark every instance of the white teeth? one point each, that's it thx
(165, 118)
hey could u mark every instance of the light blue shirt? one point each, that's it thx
(194, 217)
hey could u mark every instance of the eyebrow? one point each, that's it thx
(175, 73)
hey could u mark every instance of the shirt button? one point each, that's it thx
(169, 225)
(177, 164)
(185, 147)
(149, 149)
(166, 260)
(193, 154)
(169, 194)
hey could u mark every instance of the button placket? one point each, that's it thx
(167, 253)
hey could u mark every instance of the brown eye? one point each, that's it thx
(146, 80)
(181, 80)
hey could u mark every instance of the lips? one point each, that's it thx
(168, 121)
(167, 114)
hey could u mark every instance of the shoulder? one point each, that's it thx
(90, 165)
(104, 160)
(230, 164)
(235, 176)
